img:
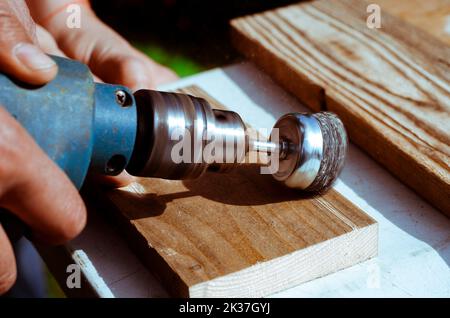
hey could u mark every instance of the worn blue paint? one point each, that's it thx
(114, 128)
(76, 122)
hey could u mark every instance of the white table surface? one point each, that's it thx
(414, 238)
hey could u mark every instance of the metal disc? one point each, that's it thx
(302, 162)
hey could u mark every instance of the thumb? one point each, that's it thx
(20, 57)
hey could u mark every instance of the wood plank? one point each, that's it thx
(390, 86)
(432, 16)
(239, 234)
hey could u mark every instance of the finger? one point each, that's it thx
(126, 70)
(119, 181)
(20, 9)
(8, 269)
(34, 188)
(134, 70)
(47, 42)
(97, 79)
(163, 75)
(20, 57)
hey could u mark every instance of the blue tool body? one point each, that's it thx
(81, 125)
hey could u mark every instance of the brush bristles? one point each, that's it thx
(335, 144)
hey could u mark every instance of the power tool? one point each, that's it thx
(86, 126)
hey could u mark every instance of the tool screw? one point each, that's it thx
(123, 98)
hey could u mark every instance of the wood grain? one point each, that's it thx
(239, 234)
(390, 86)
(432, 16)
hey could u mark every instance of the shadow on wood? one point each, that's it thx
(256, 189)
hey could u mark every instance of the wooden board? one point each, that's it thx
(432, 16)
(390, 86)
(239, 234)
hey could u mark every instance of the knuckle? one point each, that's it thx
(129, 64)
(138, 71)
(6, 12)
(13, 144)
(132, 62)
(10, 25)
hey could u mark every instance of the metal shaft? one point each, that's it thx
(270, 148)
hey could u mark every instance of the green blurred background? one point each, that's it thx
(187, 36)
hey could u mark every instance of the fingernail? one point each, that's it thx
(32, 57)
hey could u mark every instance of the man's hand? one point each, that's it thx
(20, 55)
(31, 185)
(37, 191)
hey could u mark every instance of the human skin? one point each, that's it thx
(28, 178)
(110, 57)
